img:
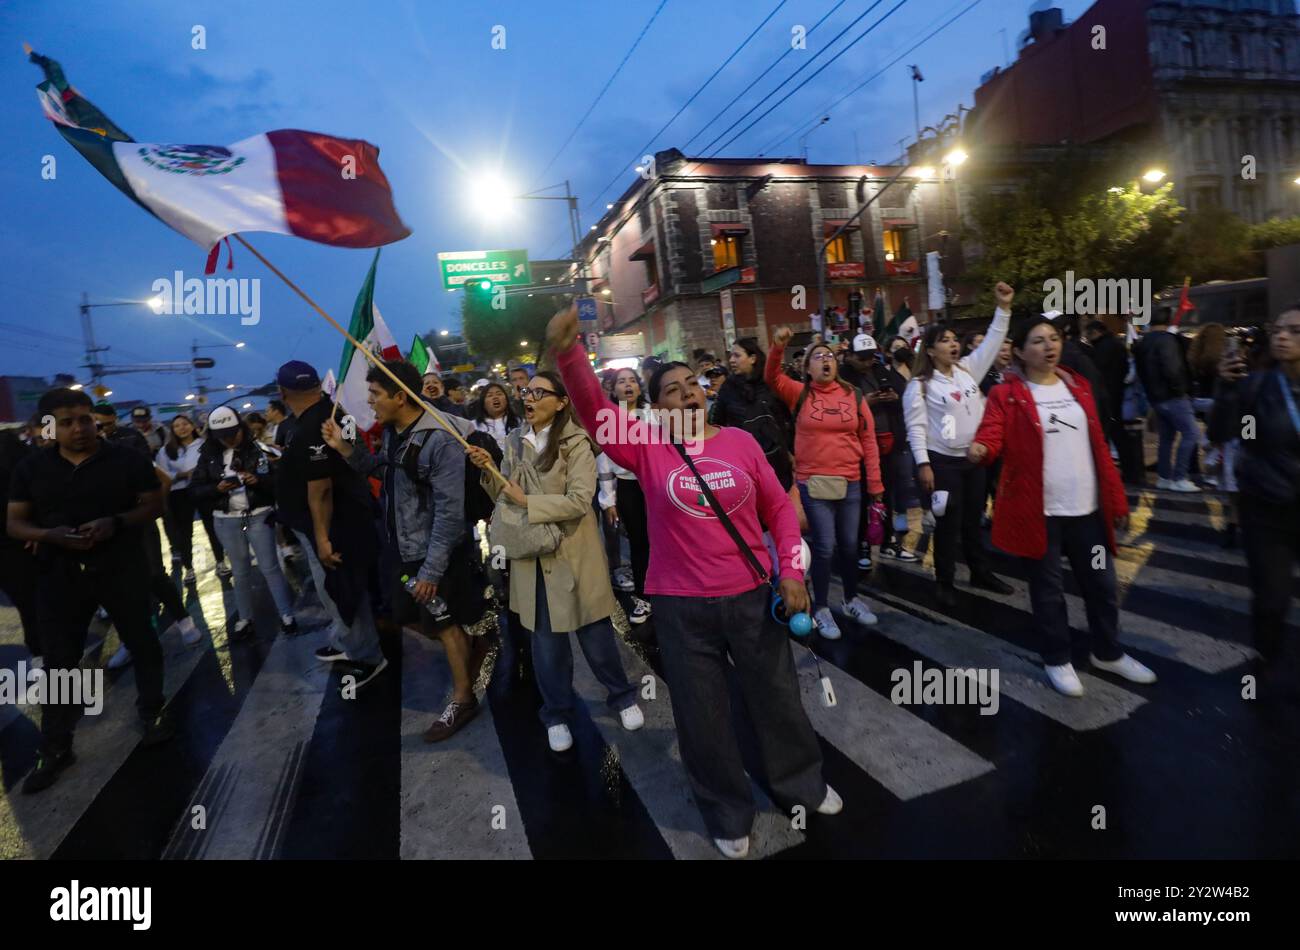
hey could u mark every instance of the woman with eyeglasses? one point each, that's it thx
(1262, 408)
(233, 477)
(943, 407)
(834, 444)
(178, 459)
(567, 590)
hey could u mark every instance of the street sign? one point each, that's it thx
(587, 308)
(620, 346)
(502, 268)
(204, 362)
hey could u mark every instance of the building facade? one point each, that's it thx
(700, 252)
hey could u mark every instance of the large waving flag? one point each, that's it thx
(314, 186)
(423, 358)
(369, 329)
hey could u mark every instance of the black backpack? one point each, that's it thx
(478, 503)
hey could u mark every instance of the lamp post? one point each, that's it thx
(99, 370)
(195, 366)
(803, 139)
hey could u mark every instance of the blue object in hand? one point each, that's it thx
(801, 624)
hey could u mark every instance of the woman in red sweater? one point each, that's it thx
(834, 437)
(1059, 493)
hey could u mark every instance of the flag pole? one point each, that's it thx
(365, 351)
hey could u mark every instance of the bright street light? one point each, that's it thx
(955, 157)
(523, 342)
(156, 304)
(493, 195)
(189, 396)
(239, 346)
(1154, 175)
(75, 386)
(443, 332)
(925, 171)
(230, 385)
(107, 393)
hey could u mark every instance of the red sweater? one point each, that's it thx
(1011, 429)
(832, 436)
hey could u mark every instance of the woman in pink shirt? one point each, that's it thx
(834, 439)
(710, 597)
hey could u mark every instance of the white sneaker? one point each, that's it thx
(1065, 680)
(1127, 667)
(632, 718)
(119, 659)
(859, 610)
(733, 847)
(832, 804)
(189, 633)
(559, 738)
(826, 625)
(1184, 485)
(1164, 483)
(640, 611)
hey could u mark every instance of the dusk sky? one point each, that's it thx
(422, 82)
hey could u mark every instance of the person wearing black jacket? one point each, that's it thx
(1261, 408)
(1110, 356)
(745, 402)
(17, 560)
(233, 476)
(1076, 357)
(1162, 367)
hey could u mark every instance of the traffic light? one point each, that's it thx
(204, 362)
(478, 286)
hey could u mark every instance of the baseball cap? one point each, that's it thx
(297, 376)
(223, 417)
(863, 343)
(104, 408)
(141, 412)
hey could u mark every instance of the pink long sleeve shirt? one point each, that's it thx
(691, 553)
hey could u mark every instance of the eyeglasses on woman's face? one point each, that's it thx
(537, 394)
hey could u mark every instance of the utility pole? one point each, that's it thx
(917, 79)
(821, 252)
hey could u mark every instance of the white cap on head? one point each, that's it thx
(1052, 314)
(863, 343)
(223, 417)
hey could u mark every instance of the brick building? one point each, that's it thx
(663, 256)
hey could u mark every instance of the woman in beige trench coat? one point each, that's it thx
(568, 590)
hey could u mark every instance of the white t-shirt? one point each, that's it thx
(1069, 474)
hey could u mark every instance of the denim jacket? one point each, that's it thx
(430, 516)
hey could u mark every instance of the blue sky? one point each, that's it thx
(421, 80)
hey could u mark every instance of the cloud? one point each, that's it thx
(212, 99)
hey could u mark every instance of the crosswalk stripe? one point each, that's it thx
(456, 794)
(652, 763)
(1198, 650)
(901, 751)
(954, 644)
(248, 788)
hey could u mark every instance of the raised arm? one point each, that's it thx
(982, 358)
(786, 388)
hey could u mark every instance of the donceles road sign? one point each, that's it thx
(502, 268)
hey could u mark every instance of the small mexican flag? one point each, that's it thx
(422, 358)
(369, 329)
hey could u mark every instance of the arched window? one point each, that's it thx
(1189, 51)
(1236, 59)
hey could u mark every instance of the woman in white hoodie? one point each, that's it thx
(943, 408)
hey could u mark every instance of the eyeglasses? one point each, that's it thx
(538, 394)
(822, 358)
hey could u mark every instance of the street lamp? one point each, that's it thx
(1154, 176)
(955, 158)
(803, 139)
(493, 194)
(443, 332)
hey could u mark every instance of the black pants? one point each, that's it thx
(160, 585)
(964, 483)
(696, 635)
(183, 508)
(66, 597)
(1271, 537)
(1083, 541)
(631, 511)
(18, 581)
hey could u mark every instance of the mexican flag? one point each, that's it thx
(369, 329)
(423, 358)
(1185, 305)
(308, 184)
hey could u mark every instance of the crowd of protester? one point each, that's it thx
(513, 500)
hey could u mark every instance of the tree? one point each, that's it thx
(1071, 217)
(495, 324)
(1214, 244)
(1276, 232)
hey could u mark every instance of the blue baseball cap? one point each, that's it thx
(297, 376)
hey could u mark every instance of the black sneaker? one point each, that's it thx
(991, 582)
(896, 552)
(640, 611)
(360, 674)
(289, 627)
(946, 596)
(47, 771)
(159, 729)
(864, 557)
(329, 654)
(242, 630)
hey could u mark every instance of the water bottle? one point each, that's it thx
(437, 606)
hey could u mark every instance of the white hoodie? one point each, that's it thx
(944, 412)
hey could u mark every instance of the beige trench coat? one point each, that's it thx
(578, 591)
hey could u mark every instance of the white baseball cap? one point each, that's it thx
(223, 417)
(863, 343)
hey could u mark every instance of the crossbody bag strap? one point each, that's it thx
(707, 492)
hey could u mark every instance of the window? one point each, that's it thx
(1235, 58)
(893, 241)
(1279, 56)
(837, 252)
(1189, 51)
(726, 251)
(651, 269)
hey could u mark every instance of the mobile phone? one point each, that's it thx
(1232, 348)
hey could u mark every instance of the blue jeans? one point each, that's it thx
(1175, 417)
(260, 536)
(834, 529)
(553, 663)
(359, 641)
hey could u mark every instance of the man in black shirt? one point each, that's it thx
(109, 430)
(329, 507)
(155, 436)
(83, 501)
